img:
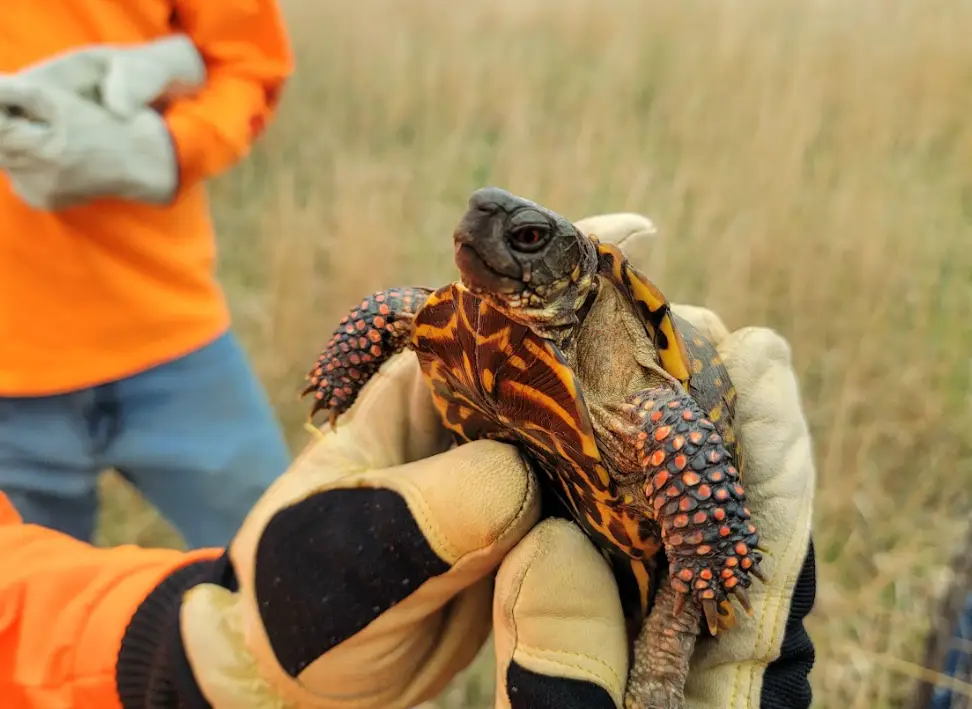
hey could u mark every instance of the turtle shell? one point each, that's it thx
(682, 351)
(494, 378)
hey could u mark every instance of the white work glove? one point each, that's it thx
(124, 79)
(80, 126)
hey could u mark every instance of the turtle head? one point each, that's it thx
(529, 262)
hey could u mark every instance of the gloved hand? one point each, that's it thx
(364, 578)
(743, 667)
(124, 78)
(764, 661)
(80, 125)
(365, 573)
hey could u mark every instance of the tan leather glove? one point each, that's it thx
(364, 577)
(365, 572)
(763, 661)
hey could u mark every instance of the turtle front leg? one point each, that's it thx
(379, 328)
(691, 488)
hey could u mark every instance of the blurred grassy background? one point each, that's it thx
(808, 163)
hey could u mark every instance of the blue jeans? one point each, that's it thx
(196, 436)
(958, 661)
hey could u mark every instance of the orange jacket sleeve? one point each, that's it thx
(64, 609)
(248, 59)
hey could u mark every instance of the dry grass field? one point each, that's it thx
(809, 165)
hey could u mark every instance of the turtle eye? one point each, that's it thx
(528, 239)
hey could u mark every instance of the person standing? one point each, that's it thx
(117, 351)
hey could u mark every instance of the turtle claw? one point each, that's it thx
(718, 615)
(727, 615)
(758, 573)
(743, 599)
(711, 610)
(379, 328)
(693, 489)
(679, 606)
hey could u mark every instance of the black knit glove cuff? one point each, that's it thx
(786, 682)
(152, 670)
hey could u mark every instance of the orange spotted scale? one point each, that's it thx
(697, 495)
(359, 346)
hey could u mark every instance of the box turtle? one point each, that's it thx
(553, 341)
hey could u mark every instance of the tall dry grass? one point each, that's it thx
(809, 165)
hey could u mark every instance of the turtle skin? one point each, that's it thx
(652, 475)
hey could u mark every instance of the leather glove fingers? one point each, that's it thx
(365, 572)
(740, 669)
(560, 635)
(154, 72)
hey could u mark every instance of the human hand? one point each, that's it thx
(123, 79)
(364, 576)
(151, 74)
(59, 149)
(80, 125)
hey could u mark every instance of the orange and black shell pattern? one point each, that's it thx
(494, 378)
(651, 306)
(379, 327)
(710, 385)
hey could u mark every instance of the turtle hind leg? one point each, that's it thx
(367, 337)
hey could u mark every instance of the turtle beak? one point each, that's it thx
(462, 236)
(477, 275)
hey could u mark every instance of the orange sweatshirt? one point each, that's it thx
(111, 288)
(64, 608)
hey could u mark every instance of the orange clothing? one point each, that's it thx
(111, 288)
(64, 607)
